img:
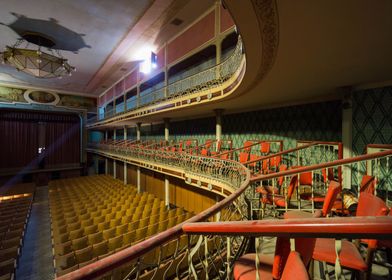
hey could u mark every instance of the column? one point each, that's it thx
(138, 125)
(106, 166)
(218, 214)
(114, 134)
(106, 135)
(125, 174)
(125, 133)
(167, 124)
(114, 169)
(218, 127)
(347, 137)
(138, 185)
(167, 191)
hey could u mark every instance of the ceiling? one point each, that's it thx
(324, 50)
(100, 38)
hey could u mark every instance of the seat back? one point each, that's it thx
(371, 205)
(334, 189)
(292, 186)
(265, 147)
(295, 268)
(368, 184)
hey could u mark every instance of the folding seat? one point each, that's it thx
(98, 219)
(85, 216)
(109, 233)
(17, 226)
(65, 262)
(162, 226)
(151, 230)
(154, 219)
(80, 243)
(100, 249)
(121, 229)
(90, 229)
(60, 230)
(115, 222)
(137, 216)
(104, 225)
(140, 234)
(86, 223)
(84, 255)
(9, 253)
(9, 243)
(62, 248)
(7, 267)
(75, 234)
(120, 214)
(71, 220)
(73, 226)
(110, 216)
(115, 242)
(61, 272)
(245, 266)
(133, 226)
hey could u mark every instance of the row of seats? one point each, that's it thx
(14, 213)
(95, 216)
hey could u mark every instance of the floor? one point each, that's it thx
(36, 260)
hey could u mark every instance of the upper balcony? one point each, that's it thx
(208, 85)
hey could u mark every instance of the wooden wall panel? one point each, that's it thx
(120, 170)
(191, 198)
(110, 167)
(131, 169)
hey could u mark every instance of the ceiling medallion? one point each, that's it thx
(34, 61)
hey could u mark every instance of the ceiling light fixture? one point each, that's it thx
(34, 61)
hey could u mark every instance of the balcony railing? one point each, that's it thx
(210, 78)
(173, 254)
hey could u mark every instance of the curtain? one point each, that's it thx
(23, 132)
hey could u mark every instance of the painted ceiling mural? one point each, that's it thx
(30, 96)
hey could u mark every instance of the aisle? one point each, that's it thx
(36, 260)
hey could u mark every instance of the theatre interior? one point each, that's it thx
(195, 139)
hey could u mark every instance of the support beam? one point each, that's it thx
(138, 184)
(138, 125)
(167, 191)
(125, 174)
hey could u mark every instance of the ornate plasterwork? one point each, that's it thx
(267, 17)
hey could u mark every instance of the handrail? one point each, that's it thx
(347, 227)
(131, 253)
(322, 165)
(240, 148)
(282, 153)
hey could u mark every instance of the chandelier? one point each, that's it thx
(35, 62)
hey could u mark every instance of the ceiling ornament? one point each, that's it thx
(33, 61)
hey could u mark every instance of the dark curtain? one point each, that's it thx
(18, 143)
(62, 143)
(20, 139)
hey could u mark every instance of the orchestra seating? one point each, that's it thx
(93, 217)
(14, 213)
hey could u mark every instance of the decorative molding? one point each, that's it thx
(267, 16)
(41, 97)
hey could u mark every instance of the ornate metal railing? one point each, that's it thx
(210, 78)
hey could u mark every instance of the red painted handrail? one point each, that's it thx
(348, 227)
(322, 165)
(282, 153)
